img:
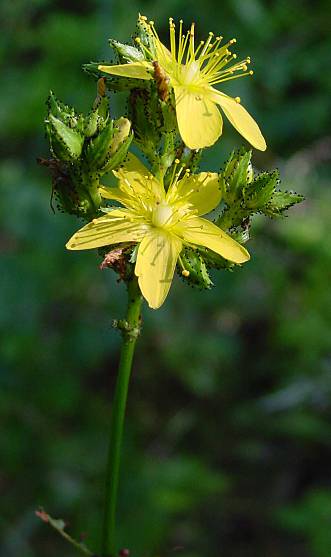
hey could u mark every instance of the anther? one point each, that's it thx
(237, 99)
(143, 17)
(151, 22)
(95, 221)
(177, 161)
(233, 41)
(138, 40)
(251, 72)
(185, 273)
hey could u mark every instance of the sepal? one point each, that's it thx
(66, 143)
(281, 201)
(195, 270)
(126, 53)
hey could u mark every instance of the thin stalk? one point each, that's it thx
(130, 331)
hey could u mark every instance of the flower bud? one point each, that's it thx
(66, 143)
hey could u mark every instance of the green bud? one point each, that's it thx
(66, 143)
(122, 128)
(146, 117)
(97, 151)
(62, 111)
(126, 52)
(119, 147)
(146, 37)
(91, 124)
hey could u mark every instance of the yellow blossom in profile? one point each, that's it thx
(161, 223)
(193, 71)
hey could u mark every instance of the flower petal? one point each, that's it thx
(199, 120)
(204, 233)
(137, 181)
(136, 70)
(115, 227)
(240, 119)
(201, 190)
(113, 193)
(156, 262)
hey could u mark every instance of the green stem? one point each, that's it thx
(130, 331)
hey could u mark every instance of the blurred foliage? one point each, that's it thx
(228, 433)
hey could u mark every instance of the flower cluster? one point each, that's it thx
(150, 221)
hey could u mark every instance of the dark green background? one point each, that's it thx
(228, 437)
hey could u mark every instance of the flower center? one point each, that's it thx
(161, 215)
(190, 74)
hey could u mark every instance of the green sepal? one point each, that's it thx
(147, 38)
(97, 119)
(281, 201)
(117, 158)
(98, 149)
(235, 175)
(66, 143)
(258, 193)
(126, 52)
(146, 118)
(63, 112)
(194, 263)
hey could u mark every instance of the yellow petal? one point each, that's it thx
(115, 227)
(199, 120)
(204, 233)
(201, 190)
(136, 70)
(136, 181)
(113, 193)
(241, 120)
(156, 262)
(132, 164)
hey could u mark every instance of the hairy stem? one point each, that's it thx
(130, 331)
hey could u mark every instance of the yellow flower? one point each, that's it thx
(193, 71)
(161, 222)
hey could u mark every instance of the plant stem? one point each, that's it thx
(130, 331)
